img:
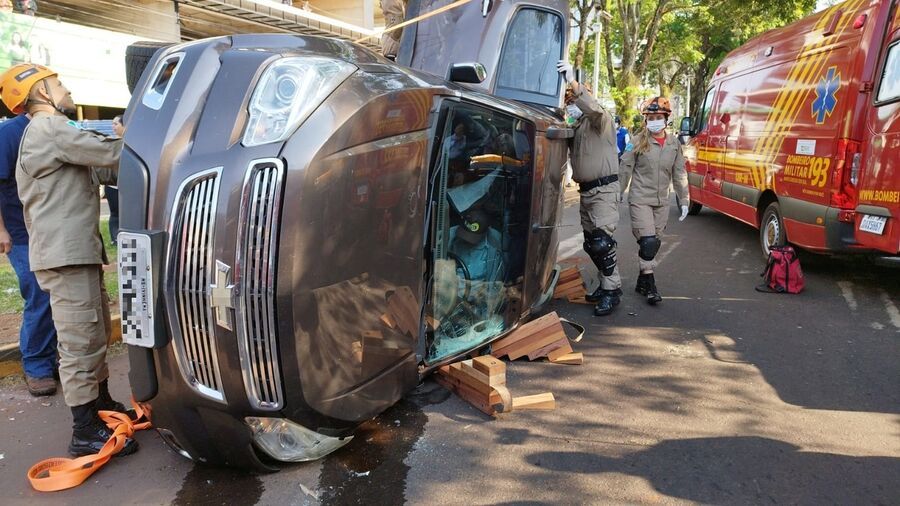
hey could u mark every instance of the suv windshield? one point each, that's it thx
(527, 69)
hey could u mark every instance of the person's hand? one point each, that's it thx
(5, 242)
(565, 68)
(684, 213)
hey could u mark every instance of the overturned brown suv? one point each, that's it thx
(309, 228)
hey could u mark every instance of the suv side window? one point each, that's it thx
(527, 70)
(890, 78)
(707, 107)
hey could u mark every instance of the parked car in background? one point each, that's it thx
(312, 228)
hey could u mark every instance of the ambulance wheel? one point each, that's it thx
(771, 229)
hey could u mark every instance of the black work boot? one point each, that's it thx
(89, 433)
(608, 300)
(105, 402)
(643, 283)
(653, 296)
(595, 297)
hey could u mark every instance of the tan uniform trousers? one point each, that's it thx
(600, 210)
(80, 308)
(648, 220)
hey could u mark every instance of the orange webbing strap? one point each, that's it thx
(61, 473)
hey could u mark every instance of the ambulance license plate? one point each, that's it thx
(872, 224)
(136, 289)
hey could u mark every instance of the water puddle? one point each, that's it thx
(370, 470)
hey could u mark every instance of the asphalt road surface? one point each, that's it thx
(719, 395)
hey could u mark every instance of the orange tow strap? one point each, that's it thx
(60, 473)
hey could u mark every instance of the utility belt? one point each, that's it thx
(603, 181)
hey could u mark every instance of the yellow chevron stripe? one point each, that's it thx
(802, 92)
(790, 99)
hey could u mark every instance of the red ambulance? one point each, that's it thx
(799, 133)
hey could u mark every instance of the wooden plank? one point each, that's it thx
(466, 375)
(473, 398)
(115, 334)
(492, 381)
(545, 338)
(561, 351)
(571, 359)
(489, 365)
(543, 401)
(525, 331)
(559, 347)
(580, 300)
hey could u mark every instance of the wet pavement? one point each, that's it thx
(719, 395)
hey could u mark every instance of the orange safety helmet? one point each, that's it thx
(657, 105)
(16, 83)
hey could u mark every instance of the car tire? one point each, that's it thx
(771, 229)
(694, 209)
(137, 56)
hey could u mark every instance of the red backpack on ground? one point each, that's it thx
(782, 273)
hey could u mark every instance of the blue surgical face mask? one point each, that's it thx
(656, 125)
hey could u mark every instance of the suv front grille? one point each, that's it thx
(255, 277)
(192, 271)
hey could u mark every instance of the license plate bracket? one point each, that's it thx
(140, 274)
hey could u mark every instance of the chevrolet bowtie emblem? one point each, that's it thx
(220, 295)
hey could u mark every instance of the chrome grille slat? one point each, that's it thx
(191, 234)
(257, 245)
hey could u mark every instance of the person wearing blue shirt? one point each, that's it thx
(622, 137)
(37, 335)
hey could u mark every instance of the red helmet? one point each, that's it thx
(657, 105)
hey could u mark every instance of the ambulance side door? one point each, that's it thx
(698, 153)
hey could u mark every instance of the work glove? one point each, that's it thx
(684, 213)
(565, 68)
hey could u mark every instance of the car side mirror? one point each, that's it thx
(467, 73)
(687, 126)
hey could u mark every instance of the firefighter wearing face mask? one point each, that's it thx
(654, 163)
(595, 168)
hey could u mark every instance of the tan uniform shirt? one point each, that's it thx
(650, 174)
(59, 189)
(393, 15)
(594, 155)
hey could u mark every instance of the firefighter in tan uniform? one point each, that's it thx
(595, 167)
(59, 170)
(393, 15)
(653, 165)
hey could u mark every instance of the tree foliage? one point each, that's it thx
(657, 46)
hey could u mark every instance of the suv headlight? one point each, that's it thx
(289, 91)
(287, 441)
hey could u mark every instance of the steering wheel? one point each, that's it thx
(466, 275)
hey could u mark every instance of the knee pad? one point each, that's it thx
(601, 247)
(648, 246)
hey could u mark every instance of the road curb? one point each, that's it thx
(11, 356)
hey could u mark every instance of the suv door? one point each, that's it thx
(517, 41)
(878, 212)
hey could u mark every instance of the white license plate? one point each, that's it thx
(136, 289)
(872, 224)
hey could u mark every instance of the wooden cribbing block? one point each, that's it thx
(543, 401)
(532, 336)
(580, 299)
(571, 359)
(560, 347)
(561, 351)
(492, 381)
(569, 283)
(469, 396)
(489, 365)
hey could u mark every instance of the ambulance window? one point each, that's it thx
(890, 78)
(707, 107)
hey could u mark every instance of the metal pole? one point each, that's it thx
(597, 61)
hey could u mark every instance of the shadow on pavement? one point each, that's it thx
(743, 470)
